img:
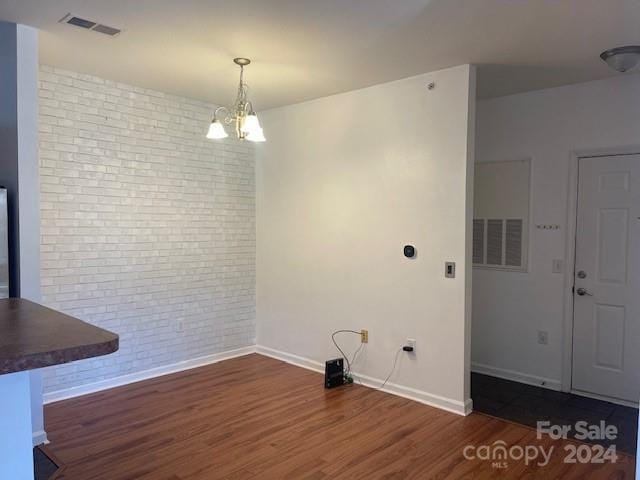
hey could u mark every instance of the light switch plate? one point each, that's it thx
(558, 266)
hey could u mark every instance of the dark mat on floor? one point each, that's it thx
(528, 404)
(43, 466)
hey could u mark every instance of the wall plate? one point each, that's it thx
(450, 269)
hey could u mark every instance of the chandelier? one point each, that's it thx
(241, 115)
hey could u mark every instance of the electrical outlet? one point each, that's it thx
(543, 337)
(364, 336)
(450, 269)
(410, 342)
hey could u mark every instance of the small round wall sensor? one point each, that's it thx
(409, 251)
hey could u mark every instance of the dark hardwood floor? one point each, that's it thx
(257, 418)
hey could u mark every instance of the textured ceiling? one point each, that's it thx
(304, 49)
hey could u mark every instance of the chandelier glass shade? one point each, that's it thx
(241, 115)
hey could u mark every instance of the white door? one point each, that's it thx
(606, 332)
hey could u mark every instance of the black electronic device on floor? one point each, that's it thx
(334, 373)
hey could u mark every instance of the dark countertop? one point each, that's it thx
(33, 336)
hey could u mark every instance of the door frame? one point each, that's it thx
(570, 252)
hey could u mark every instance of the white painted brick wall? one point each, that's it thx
(148, 228)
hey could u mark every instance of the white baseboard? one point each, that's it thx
(512, 375)
(291, 358)
(450, 405)
(58, 395)
(39, 438)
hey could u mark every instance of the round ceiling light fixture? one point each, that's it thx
(622, 59)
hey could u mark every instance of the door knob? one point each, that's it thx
(583, 291)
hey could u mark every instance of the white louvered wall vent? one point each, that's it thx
(499, 243)
(90, 25)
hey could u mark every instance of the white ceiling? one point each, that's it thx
(304, 49)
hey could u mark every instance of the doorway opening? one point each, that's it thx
(592, 376)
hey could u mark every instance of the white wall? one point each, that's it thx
(148, 228)
(29, 195)
(638, 452)
(16, 453)
(344, 182)
(546, 126)
(21, 420)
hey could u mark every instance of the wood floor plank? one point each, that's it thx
(257, 418)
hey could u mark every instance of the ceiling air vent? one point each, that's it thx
(80, 22)
(90, 25)
(106, 30)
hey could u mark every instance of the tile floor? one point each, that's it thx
(526, 404)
